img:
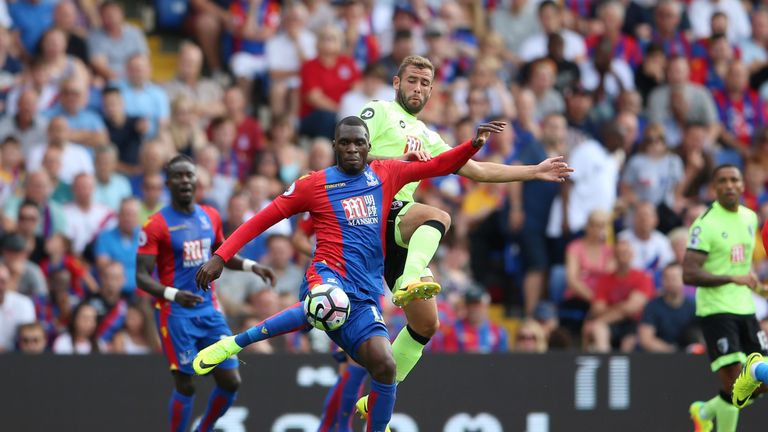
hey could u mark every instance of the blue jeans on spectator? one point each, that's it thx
(318, 124)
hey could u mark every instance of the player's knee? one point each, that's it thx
(384, 369)
(441, 217)
(426, 328)
(184, 385)
(230, 383)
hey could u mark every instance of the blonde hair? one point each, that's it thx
(416, 61)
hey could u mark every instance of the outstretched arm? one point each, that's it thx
(450, 161)
(554, 169)
(251, 229)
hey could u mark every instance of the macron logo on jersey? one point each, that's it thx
(196, 252)
(360, 210)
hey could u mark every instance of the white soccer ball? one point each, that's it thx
(326, 307)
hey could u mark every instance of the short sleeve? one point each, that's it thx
(38, 280)
(374, 117)
(164, 105)
(650, 313)
(309, 78)
(139, 41)
(95, 47)
(218, 227)
(97, 123)
(151, 235)
(272, 52)
(630, 174)
(645, 285)
(26, 311)
(678, 171)
(698, 237)
(100, 247)
(710, 111)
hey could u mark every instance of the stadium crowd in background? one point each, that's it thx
(643, 98)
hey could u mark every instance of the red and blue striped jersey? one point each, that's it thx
(112, 321)
(182, 243)
(349, 213)
(741, 117)
(485, 338)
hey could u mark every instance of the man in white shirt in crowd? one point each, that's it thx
(286, 51)
(373, 86)
(592, 186)
(653, 250)
(85, 218)
(550, 18)
(700, 14)
(74, 158)
(15, 309)
(206, 94)
(27, 125)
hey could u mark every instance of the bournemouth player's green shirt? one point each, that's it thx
(395, 132)
(728, 239)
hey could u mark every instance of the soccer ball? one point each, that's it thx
(326, 307)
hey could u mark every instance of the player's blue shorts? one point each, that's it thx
(183, 337)
(364, 322)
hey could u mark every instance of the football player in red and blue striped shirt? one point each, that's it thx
(178, 240)
(349, 204)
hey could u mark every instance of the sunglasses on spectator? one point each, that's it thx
(27, 217)
(526, 336)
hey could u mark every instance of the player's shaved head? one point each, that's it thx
(180, 158)
(350, 121)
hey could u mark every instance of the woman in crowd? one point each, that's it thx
(586, 259)
(80, 337)
(138, 336)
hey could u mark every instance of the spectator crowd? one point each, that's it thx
(644, 98)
